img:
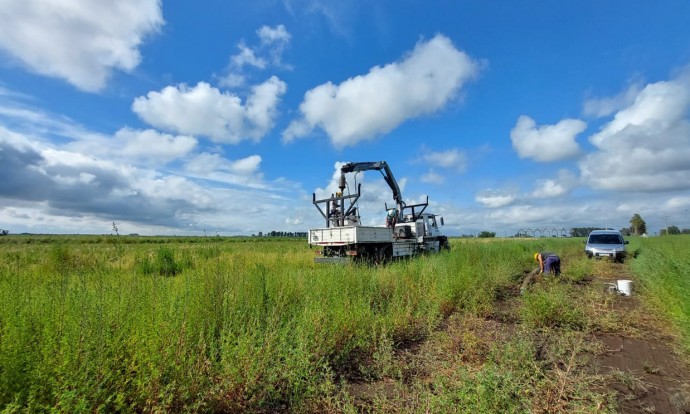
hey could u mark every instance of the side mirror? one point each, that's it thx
(627, 242)
(442, 223)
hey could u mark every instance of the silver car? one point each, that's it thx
(606, 243)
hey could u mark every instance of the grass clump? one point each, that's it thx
(162, 264)
(553, 306)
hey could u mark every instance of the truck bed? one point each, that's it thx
(340, 236)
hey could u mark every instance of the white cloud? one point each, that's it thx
(432, 178)
(206, 163)
(205, 110)
(452, 158)
(142, 145)
(646, 147)
(368, 105)
(606, 106)
(274, 40)
(48, 188)
(273, 35)
(550, 188)
(494, 198)
(269, 53)
(246, 56)
(80, 41)
(546, 143)
(243, 172)
(679, 202)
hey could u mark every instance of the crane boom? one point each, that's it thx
(385, 171)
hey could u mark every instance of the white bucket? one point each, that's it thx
(625, 287)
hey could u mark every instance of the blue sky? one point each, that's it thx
(225, 116)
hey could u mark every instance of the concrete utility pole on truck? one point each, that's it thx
(409, 229)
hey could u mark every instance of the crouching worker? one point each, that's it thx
(548, 262)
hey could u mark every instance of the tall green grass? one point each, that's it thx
(663, 268)
(216, 326)
(232, 325)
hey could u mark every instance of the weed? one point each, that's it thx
(552, 306)
(162, 264)
(252, 325)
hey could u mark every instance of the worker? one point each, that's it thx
(549, 262)
(391, 218)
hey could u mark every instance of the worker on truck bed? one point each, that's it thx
(548, 262)
(391, 218)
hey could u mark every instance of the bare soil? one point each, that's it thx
(632, 363)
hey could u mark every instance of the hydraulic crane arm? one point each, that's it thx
(385, 171)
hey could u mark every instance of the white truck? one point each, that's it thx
(409, 230)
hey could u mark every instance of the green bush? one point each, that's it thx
(162, 264)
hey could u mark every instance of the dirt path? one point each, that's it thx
(624, 362)
(642, 366)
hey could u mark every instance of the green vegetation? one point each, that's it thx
(663, 268)
(126, 323)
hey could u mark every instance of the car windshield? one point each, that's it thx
(605, 239)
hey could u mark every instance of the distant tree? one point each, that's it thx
(582, 231)
(486, 234)
(626, 231)
(637, 225)
(671, 230)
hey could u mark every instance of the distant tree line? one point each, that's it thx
(672, 230)
(583, 231)
(4, 232)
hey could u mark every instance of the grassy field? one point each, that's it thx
(142, 324)
(663, 268)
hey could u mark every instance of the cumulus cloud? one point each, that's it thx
(70, 183)
(550, 188)
(48, 188)
(600, 107)
(365, 106)
(495, 198)
(58, 176)
(646, 146)
(207, 111)
(80, 41)
(246, 56)
(546, 143)
(137, 145)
